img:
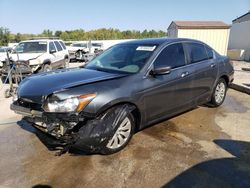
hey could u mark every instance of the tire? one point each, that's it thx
(46, 68)
(79, 55)
(121, 135)
(66, 62)
(219, 93)
(7, 93)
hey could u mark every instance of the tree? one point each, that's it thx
(47, 33)
(4, 36)
(80, 34)
(18, 37)
(58, 33)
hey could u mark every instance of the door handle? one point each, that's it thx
(212, 65)
(184, 74)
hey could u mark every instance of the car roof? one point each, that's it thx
(159, 41)
(41, 40)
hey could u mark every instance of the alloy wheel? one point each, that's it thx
(121, 135)
(220, 91)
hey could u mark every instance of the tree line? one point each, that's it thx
(79, 34)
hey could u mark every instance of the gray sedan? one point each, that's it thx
(97, 108)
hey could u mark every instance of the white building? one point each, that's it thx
(213, 33)
(239, 40)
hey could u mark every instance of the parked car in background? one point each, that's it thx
(39, 56)
(79, 46)
(3, 55)
(126, 88)
(83, 51)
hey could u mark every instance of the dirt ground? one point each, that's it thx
(205, 147)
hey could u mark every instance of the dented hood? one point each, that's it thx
(25, 56)
(35, 87)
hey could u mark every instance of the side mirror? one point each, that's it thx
(52, 51)
(160, 71)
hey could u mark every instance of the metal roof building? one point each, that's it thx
(243, 18)
(213, 33)
(239, 40)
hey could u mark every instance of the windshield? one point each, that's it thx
(31, 47)
(3, 49)
(97, 44)
(79, 45)
(123, 58)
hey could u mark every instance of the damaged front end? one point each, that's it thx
(59, 118)
(62, 126)
(73, 129)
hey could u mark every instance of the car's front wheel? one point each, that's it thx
(46, 68)
(219, 93)
(122, 135)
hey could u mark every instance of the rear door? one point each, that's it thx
(60, 62)
(201, 60)
(166, 94)
(53, 56)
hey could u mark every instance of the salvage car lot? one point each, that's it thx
(203, 147)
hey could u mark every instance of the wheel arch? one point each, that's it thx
(135, 111)
(226, 78)
(46, 61)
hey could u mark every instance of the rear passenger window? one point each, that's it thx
(196, 52)
(210, 53)
(63, 45)
(58, 46)
(52, 46)
(172, 56)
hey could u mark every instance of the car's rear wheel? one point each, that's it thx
(46, 68)
(219, 93)
(66, 62)
(122, 135)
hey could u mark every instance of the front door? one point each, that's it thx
(60, 55)
(166, 94)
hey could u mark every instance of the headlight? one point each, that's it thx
(74, 104)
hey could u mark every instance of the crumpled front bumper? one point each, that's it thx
(88, 135)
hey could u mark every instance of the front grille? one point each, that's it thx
(31, 105)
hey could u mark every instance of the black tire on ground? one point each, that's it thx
(216, 100)
(7, 93)
(66, 62)
(106, 150)
(46, 68)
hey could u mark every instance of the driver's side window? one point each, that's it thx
(173, 56)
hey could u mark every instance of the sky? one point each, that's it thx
(30, 16)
